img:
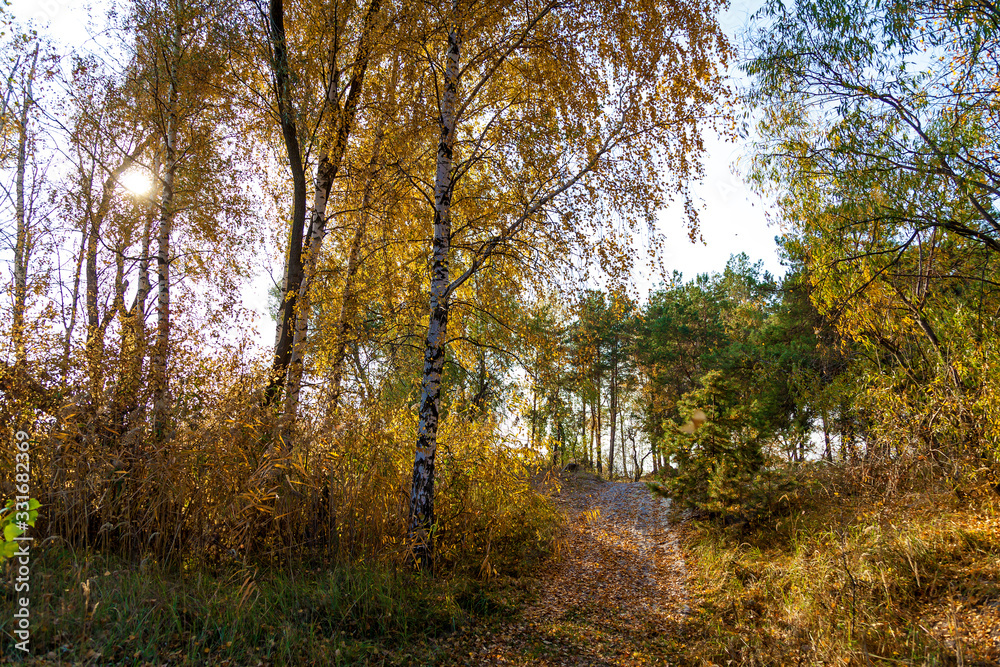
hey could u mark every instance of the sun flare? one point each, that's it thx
(136, 181)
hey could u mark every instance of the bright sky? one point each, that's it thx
(64, 20)
(733, 218)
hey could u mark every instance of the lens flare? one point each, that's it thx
(136, 181)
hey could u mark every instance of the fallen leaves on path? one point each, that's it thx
(615, 597)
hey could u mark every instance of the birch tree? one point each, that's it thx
(327, 100)
(182, 52)
(23, 202)
(563, 111)
(23, 242)
(342, 100)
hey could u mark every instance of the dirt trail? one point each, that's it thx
(616, 594)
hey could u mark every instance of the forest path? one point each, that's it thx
(615, 595)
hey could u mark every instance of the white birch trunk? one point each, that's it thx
(326, 172)
(22, 245)
(158, 361)
(422, 517)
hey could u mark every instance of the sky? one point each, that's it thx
(64, 20)
(733, 218)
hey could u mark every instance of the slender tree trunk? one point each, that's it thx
(292, 278)
(74, 303)
(827, 452)
(590, 436)
(96, 324)
(636, 471)
(329, 165)
(599, 453)
(158, 363)
(613, 410)
(22, 244)
(422, 494)
(561, 447)
(349, 297)
(621, 431)
(95, 346)
(133, 345)
(532, 443)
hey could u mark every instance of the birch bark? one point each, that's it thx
(327, 170)
(422, 518)
(22, 245)
(613, 410)
(158, 361)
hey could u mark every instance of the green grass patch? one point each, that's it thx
(98, 610)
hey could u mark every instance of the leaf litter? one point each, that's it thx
(614, 596)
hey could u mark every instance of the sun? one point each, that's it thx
(136, 181)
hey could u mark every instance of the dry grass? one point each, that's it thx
(213, 490)
(91, 609)
(851, 579)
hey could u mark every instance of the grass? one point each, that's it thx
(850, 581)
(843, 579)
(90, 609)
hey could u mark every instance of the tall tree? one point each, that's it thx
(182, 53)
(23, 243)
(331, 119)
(891, 192)
(541, 126)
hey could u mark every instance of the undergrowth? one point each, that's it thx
(211, 547)
(850, 578)
(92, 609)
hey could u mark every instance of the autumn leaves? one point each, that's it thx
(423, 170)
(507, 120)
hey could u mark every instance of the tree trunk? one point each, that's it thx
(827, 451)
(292, 278)
(621, 432)
(562, 441)
(97, 323)
(22, 245)
(158, 363)
(94, 345)
(613, 409)
(133, 344)
(422, 494)
(74, 302)
(532, 443)
(597, 451)
(326, 172)
(348, 299)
